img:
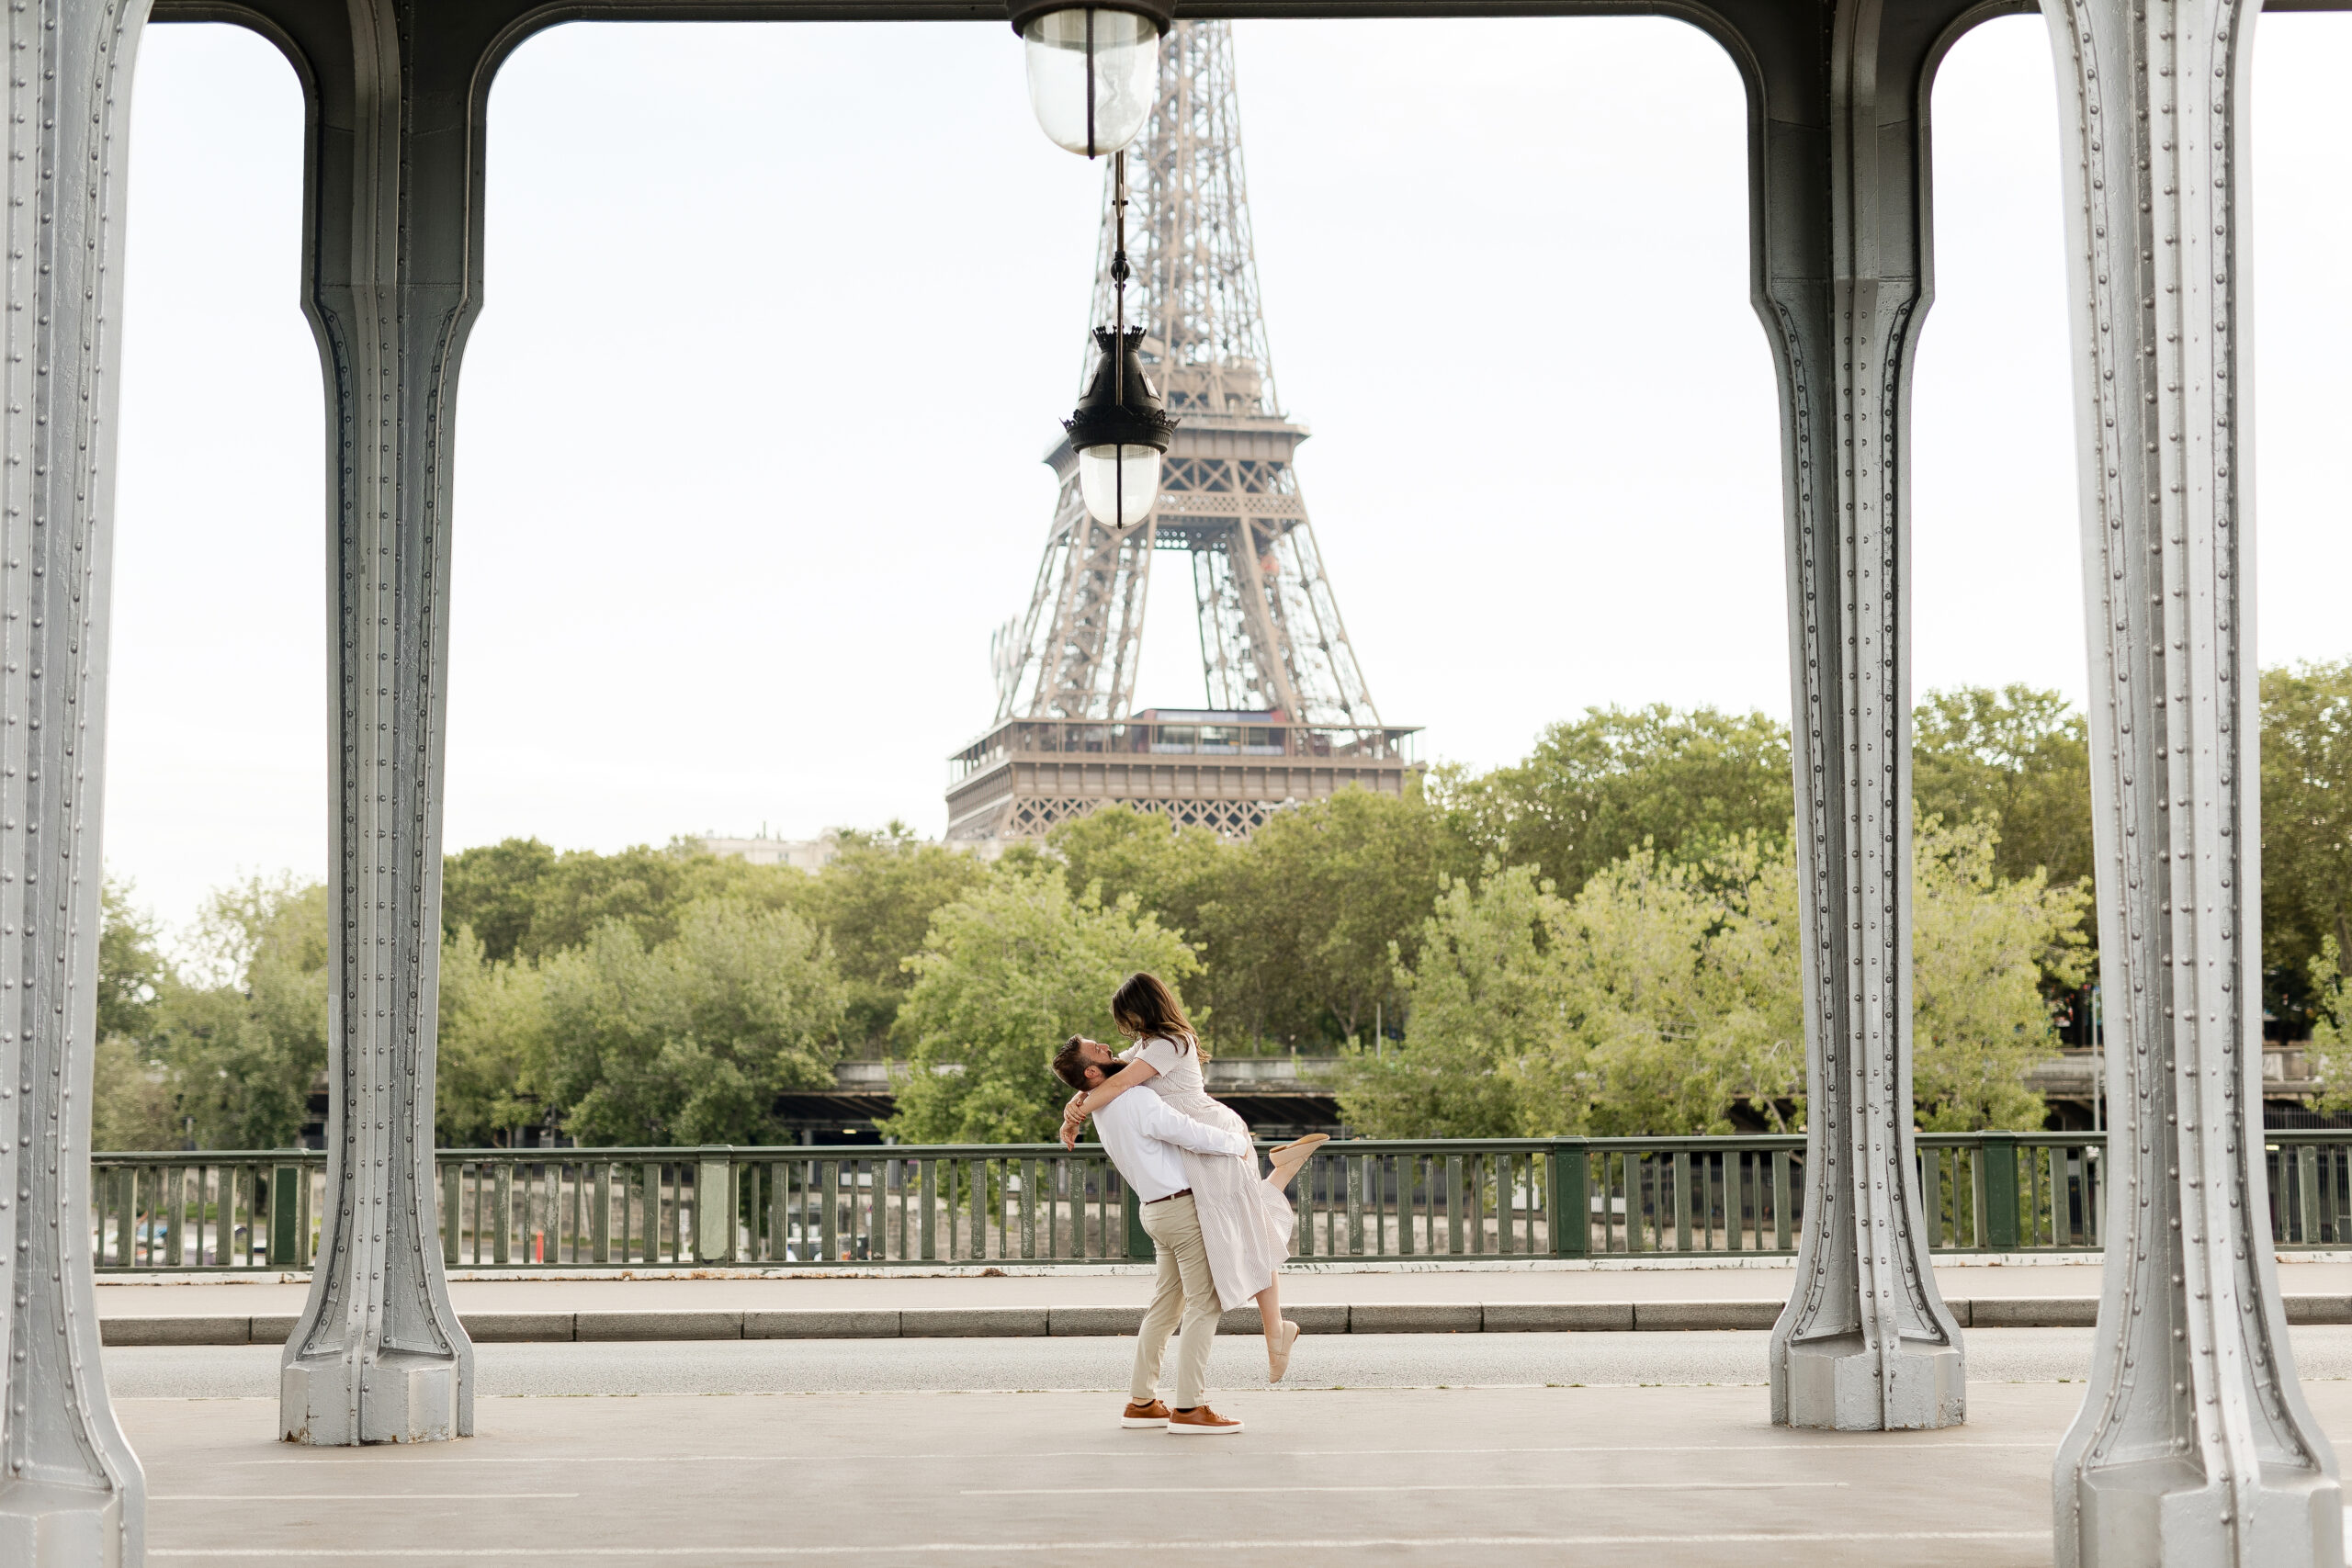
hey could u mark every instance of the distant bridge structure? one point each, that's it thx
(2194, 1445)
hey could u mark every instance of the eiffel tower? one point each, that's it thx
(1289, 717)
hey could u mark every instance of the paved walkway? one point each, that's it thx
(1433, 1478)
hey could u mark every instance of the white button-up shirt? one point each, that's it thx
(1143, 1137)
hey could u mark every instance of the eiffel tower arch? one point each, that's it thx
(1289, 717)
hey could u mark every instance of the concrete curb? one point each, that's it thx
(1037, 1321)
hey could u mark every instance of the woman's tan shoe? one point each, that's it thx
(1278, 1352)
(1287, 1157)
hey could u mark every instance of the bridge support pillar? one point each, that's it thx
(71, 1490)
(394, 276)
(1841, 260)
(2194, 1445)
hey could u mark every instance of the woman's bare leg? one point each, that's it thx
(1270, 1312)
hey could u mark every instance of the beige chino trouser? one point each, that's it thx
(1185, 1291)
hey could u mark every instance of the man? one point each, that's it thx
(1144, 1139)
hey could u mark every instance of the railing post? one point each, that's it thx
(501, 1207)
(1571, 1205)
(1997, 1168)
(1682, 1201)
(1139, 1239)
(453, 1210)
(715, 1210)
(285, 1245)
(2307, 1193)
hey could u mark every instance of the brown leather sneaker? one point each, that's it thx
(1200, 1422)
(1153, 1414)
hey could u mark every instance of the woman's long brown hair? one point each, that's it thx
(1143, 1007)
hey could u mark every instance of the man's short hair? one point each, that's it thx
(1068, 1065)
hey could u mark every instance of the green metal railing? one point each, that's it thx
(556, 1208)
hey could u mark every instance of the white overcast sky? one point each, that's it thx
(779, 320)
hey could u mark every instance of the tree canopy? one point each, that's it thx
(690, 1040)
(1600, 937)
(1006, 973)
(2306, 830)
(223, 1058)
(1669, 997)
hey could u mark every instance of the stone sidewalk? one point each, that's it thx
(1326, 1298)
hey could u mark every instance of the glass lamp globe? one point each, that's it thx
(1092, 75)
(1118, 483)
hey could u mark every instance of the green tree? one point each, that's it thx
(1596, 789)
(646, 889)
(1175, 872)
(132, 1105)
(240, 1055)
(692, 1039)
(1484, 999)
(1667, 997)
(875, 901)
(1654, 1022)
(132, 971)
(2331, 1047)
(1008, 971)
(496, 1054)
(1653, 1001)
(493, 889)
(2019, 759)
(1315, 911)
(1981, 945)
(2306, 830)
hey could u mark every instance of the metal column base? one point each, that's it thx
(2164, 1512)
(401, 1397)
(45, 1525)
(1834, 1385)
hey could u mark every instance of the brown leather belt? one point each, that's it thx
(1180, 1192)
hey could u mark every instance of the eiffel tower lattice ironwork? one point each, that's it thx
(1287, 701)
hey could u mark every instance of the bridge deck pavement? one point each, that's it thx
(916, 1473)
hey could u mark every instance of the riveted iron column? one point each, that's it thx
(71, 1491)
(1865, 1341)
(377, 1355)
(2193, 1445)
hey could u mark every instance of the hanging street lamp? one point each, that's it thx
(1120, 429)
(1093, 77)
(1094, 70)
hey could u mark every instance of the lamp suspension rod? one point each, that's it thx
(1090, 82)
(1118, 312)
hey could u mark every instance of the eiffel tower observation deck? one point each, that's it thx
(1288, 715)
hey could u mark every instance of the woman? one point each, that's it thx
(1244, 1222)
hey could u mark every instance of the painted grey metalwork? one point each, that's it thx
(377, 1355)
(2194, 1444)
(1866, 1341)
(1271, 639)
(71, 1490)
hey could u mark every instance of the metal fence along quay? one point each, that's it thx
(868, 1206)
